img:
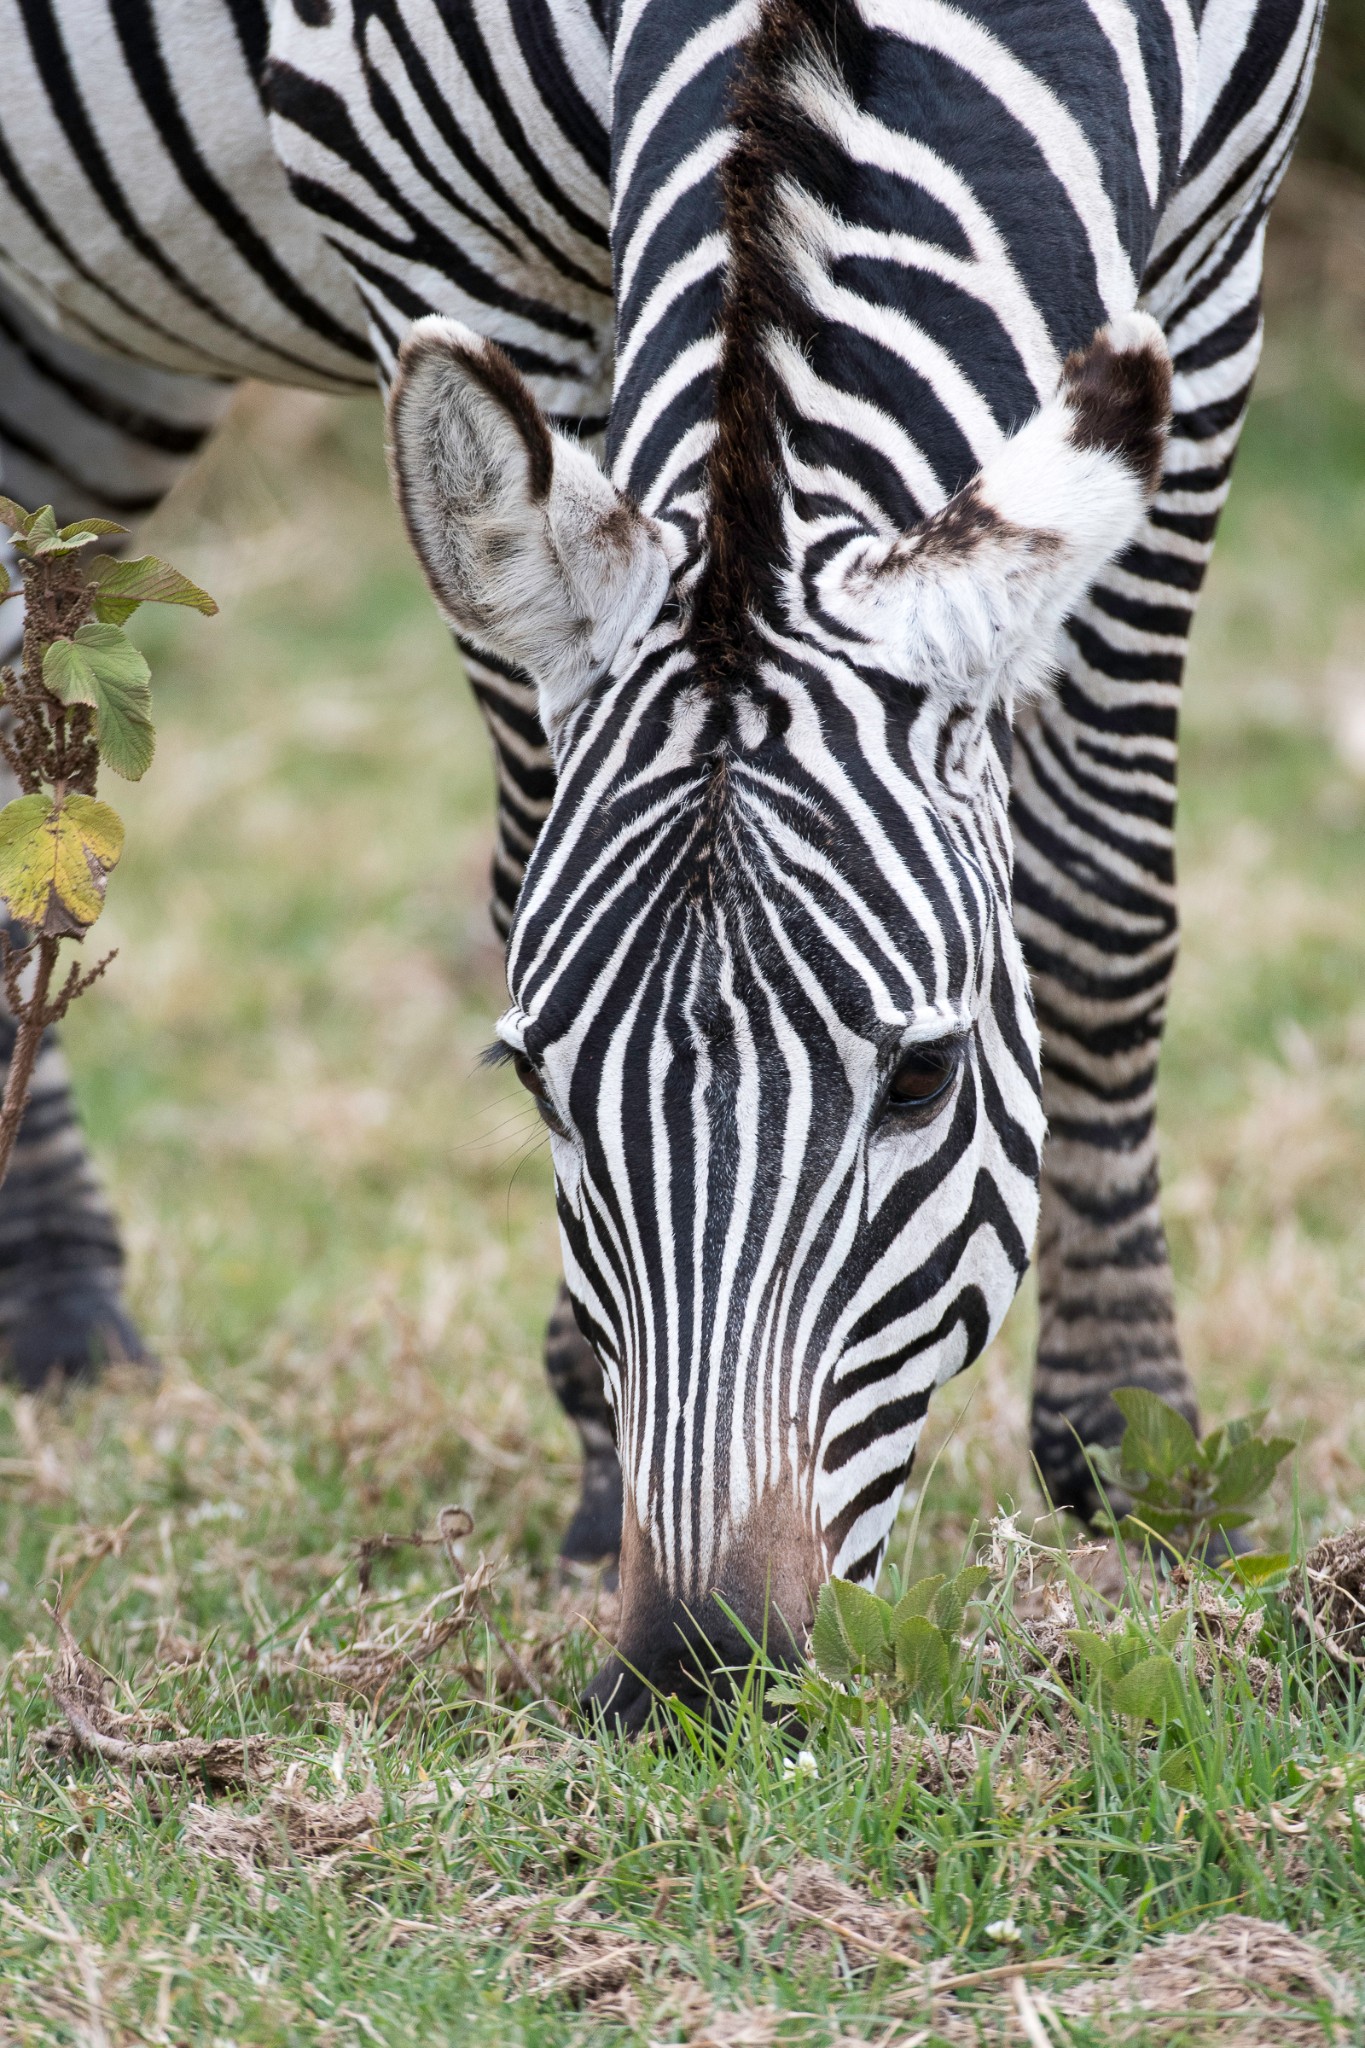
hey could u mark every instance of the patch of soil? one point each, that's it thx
(1239, 1982)
(1326, 1594)
(289, 1828)
(818, 1909)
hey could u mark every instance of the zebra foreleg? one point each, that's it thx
(89, 435)
(594, 1533)
(1097, 914)
(1093, 812)
(525, 787)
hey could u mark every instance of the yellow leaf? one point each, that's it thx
(54, 861)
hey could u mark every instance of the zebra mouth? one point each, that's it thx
(702, 1668)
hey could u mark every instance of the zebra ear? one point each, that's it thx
(530, 551)
(971, 603)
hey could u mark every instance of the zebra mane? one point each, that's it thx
(777, 146)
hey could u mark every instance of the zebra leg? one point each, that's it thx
(594, 1533)
(1093, 812)
(525, 783)
(90, 435)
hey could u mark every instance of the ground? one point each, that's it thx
(342, 1248)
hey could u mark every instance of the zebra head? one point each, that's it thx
(766, 988)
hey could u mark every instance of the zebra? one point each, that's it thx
(833, 702)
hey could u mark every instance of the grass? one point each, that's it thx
(342, 1245)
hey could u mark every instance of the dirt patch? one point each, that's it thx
(818, 1910)
(289, 1828)
(1327, 1596)
(583, 1961)
(376, 1661)
(1237, 1981)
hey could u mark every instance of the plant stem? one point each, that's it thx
(30, 1025)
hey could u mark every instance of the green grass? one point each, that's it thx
(342, 1246)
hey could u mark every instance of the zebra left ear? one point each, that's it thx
(530, 551)
(970, 604)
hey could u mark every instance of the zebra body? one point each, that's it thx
(827, 781)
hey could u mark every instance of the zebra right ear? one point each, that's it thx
(530, 550)
(971, 603)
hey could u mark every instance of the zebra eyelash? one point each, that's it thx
(498, 1054)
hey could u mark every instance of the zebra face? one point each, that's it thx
(787, 1060)
(766, 989)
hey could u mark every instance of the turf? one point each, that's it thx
(342, 1246)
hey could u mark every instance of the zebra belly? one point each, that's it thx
(143, 211)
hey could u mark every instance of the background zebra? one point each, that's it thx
(938, 203)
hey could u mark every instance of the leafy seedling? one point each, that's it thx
(1134, 1674)
(865, 1650)
(79, 699)
(1183, 1490)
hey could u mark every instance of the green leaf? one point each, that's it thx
(1247, 1470)
(1223, 1519)
(1178, 1770)
(101, 666)
(1158, 1440)
(54, 860)
(4, 580)
(949, 1609)
(865, 1624)
(1147, 1692)
(1259, 1568)
(13, 515)
(91, 529)
(917, 1599)
(1126, 1652)
(923, 1663)
(1107, 1460)
(1147, 1521)
(1172, 1629)
(1098, 1651)
(852, 1632)
(40, 531)
(1242, 1427)
(122, 586)
(827, 1648)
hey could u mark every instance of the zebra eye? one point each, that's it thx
(529, 1075)
(923, 1076)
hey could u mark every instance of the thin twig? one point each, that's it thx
(75, 985)
(1036, 1967)
(832, 1926)
(31, 1022)
(966, 1981)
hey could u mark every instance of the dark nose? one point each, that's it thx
(697, 1648)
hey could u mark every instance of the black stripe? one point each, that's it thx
(49, 54)
(136, 25)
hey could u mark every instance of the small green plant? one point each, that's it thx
(866, 1651)
(79, 698)
(1134, 1672)
(1183, 1490)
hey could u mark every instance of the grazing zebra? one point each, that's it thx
(834, 716)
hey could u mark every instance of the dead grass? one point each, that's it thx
(1327, 1593)
(139, 1741)
(1239, 1982)
(288, 1829)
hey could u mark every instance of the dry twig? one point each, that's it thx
(93, 1728)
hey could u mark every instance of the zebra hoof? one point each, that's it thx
(71, 1333)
